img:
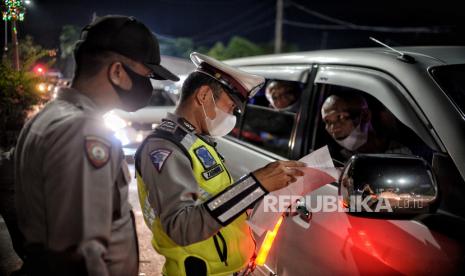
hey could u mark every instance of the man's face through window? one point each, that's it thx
(339, 122)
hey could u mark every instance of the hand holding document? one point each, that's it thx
(320, 171)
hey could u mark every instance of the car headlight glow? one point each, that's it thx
(122, 137)
(42, 87)
(113, 121)
(139, 137)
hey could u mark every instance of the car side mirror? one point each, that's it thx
(387, 184)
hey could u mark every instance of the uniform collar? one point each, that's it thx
(184, 124)
(77, 98)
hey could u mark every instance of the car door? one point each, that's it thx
(341, 244)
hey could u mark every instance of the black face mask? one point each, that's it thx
(139, 94)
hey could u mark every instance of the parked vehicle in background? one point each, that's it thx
(417, 97)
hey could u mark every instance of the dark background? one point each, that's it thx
(209, 21)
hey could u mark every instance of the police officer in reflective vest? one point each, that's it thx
(194, 208)
(71, 177)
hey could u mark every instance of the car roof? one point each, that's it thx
(378, 57)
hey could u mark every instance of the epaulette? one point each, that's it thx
(172, 132)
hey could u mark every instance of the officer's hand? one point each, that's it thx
(278, 174)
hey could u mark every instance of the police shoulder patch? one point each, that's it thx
(98, 151)
(158, 157)
(205, 157)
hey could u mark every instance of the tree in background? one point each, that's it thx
(18, 97)
(177, 47)
(68, 37)
(285, 47)
(237, 47)
(18, 90)
(241, 47)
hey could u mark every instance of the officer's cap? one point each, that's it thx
(127, 36)
(240, 85)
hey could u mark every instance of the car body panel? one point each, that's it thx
(338, 243)
(248, 160)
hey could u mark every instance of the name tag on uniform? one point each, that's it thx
(216, 170)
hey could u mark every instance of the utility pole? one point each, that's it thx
(324, 40)
(278, 35)
(14, 41)
(5, 47)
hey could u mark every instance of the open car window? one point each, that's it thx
(267, 123)
(387, 135)
(385, 88)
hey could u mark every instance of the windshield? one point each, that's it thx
(451, 78)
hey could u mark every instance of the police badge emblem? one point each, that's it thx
(205, 157)
(97, 151)
(159, 157)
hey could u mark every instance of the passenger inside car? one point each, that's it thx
(348, 120)
(283, 95)
(267, 126)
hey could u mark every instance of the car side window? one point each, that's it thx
(268, 129)
(269, 118)
(351, 121)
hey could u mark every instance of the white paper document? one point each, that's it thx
(320, 171)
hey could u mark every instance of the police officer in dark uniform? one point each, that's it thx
(196, 211)
(71, 177)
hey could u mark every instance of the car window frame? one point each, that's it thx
(302, 73)
(412, 117)
(275, 114)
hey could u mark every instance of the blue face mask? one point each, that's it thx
(138, 95)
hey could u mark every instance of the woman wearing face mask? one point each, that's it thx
(195, 210)
(347, 120)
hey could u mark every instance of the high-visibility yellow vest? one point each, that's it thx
(237, 235)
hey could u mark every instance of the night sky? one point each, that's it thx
(208, 21)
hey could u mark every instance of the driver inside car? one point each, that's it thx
(347, 120)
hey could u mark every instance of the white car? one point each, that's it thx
(417, 97)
